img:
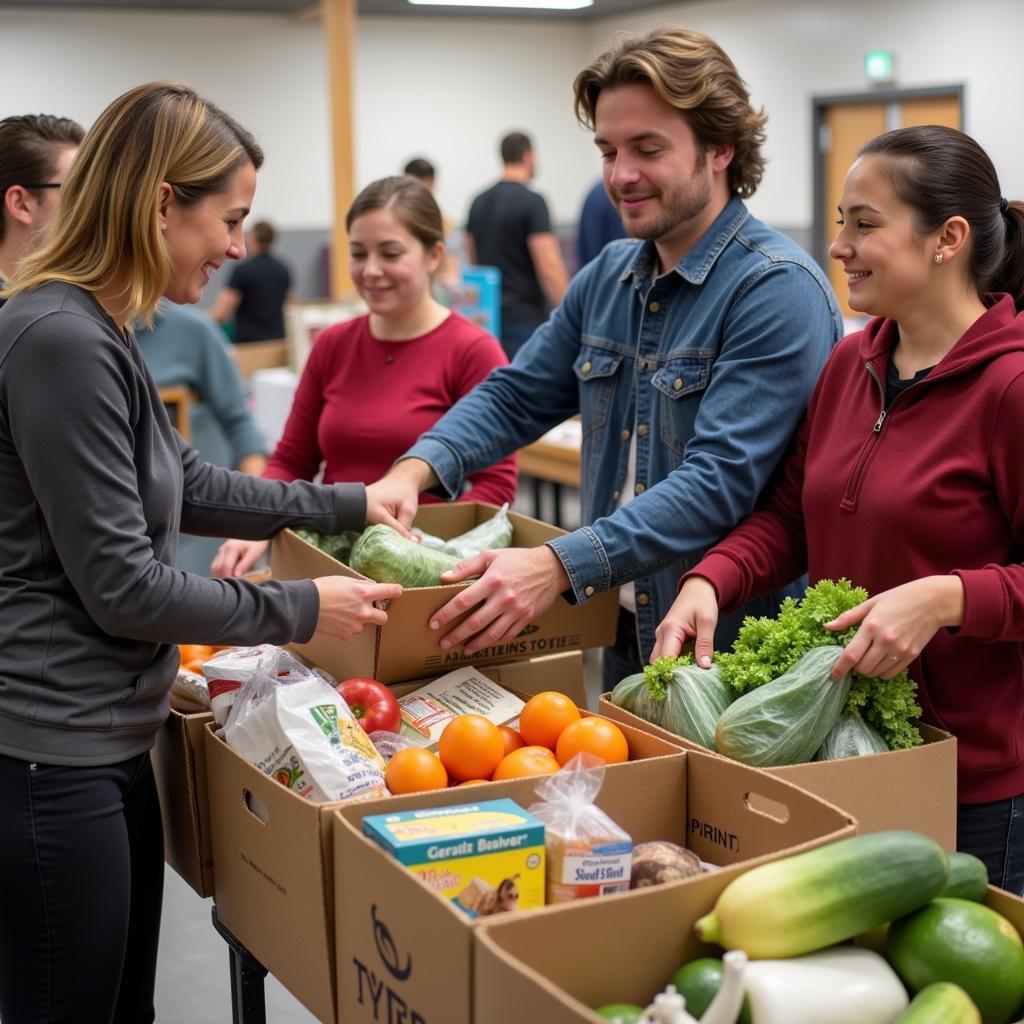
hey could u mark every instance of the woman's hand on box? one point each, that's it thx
(348, 606)
(237, 557)
(515, 586)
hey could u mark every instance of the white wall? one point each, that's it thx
(789, 51)
(450, 88)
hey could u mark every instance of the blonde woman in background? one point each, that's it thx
(95, 486)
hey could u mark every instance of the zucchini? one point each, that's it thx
(695, 698)
(828, 895)
(968, 878)
(495, 532)
(785, 721)
(941, 1003)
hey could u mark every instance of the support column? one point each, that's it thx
(339, 18)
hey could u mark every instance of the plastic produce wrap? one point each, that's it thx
(785, 721)
(386, 556)
(495, 532)
(632, 694)
(851, 736)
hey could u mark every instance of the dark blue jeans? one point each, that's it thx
(81, 870)
(622, 658)
(995, 833)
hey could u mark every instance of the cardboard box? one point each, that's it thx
(179, 764)
(912, 789)
(404, 953)
(274, 883)
(406, 647)
(524, 974)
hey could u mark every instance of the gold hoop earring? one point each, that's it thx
(938, 257)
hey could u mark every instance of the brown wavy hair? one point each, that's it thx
(106, 229)
(692, 73)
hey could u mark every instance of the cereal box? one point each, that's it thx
(485, 857)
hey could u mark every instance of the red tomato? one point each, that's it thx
(373, 704)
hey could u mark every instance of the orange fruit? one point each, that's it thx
(195, 665)
(544, 717)
(472, 782)
(595, 736)
(415, 770)
(471, 747)
(512, 739)
(524, 763)
(194, 652)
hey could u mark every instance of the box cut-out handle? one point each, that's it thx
(256, 807)
(767, 807)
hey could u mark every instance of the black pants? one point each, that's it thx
(81, 878)
(622, 658)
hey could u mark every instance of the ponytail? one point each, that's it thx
(1010, 277)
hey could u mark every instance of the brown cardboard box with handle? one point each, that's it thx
(624, 950)
(913, 789)
(405, 647)
(179, 765)
(274, 879)
(405, 953)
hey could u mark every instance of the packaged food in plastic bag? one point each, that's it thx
(851, 736)
(587, 853)
(390, 743)
(189, 692)
(295, 727)
(228, 670)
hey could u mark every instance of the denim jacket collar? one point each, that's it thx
(697, 263)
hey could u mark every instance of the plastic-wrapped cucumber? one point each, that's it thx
(786, 720)
(495, 532)
(337, 545)
(386, 556)
(851, 736)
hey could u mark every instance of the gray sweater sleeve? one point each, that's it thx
(106, 479)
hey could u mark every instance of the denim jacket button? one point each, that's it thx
(654, 307)
(642, 430)
(639, 489)
(624, 435)
(677, 384)
(586, 367)
(589, 592)
(642, 599)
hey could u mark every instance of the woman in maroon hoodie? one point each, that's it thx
(907, 475)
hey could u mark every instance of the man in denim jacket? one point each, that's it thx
(690, 351)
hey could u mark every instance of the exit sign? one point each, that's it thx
(878, 65)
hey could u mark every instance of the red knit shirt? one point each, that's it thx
(935, 487)
(362, 402)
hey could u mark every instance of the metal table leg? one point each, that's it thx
(248, 1000)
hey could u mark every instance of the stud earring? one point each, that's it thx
(938, 257)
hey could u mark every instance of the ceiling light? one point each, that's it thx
(542, 5)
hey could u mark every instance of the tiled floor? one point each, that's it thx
(192, 976)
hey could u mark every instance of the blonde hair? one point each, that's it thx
(106, 230)
(692, 73)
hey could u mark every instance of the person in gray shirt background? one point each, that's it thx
(95, 486)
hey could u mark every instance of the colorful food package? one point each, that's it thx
(588, 854)
(293, 725)
(466, 691)
(487, 857)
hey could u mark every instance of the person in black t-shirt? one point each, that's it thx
(509, 228)
(256, 291)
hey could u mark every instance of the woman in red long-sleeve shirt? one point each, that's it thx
(907, 477)
(373, 384)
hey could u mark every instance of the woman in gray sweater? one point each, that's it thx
(95, 486)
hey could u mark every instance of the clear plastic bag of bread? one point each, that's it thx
(588, 854)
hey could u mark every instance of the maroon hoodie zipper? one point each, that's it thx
(853, 484)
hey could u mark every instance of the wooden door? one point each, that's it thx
(846, 125)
